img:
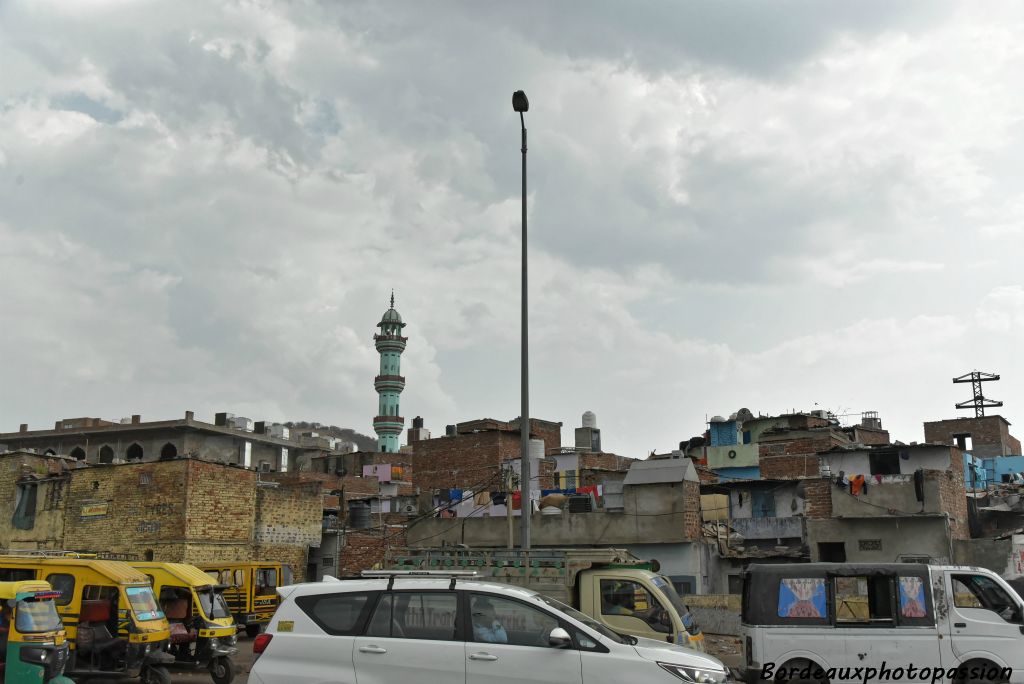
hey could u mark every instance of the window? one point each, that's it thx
(16, 574)
(134, 452)
(502, 621)
(106, 454)
(980, 591)
(884, 464)
(864, 599)
(145, 479)
(762, 504)
(408, 615)
(65, 584)
(632, 599)
(832, 552)
(266, 581)
(336, 614)
(78, 453)
(169, 451)
(25, 507)
(327, 561)
(746, 436)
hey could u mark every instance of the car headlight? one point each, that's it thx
(698, 675)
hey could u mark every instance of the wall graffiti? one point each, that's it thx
(148, 527)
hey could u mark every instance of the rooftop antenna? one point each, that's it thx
(979, 403)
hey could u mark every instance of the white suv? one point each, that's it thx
(442, 630)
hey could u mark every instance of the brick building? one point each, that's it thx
(983, 437)
(183, 510)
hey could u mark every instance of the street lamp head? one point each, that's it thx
(519, 102)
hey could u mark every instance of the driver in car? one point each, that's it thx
(485, 624)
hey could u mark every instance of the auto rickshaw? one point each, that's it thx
(114, 626)
(250, 589)
(36, 648)
(203, 633)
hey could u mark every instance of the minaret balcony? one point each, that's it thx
(393, 343)
(389, 383)
(388, 423)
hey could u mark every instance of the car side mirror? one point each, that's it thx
(559, 638)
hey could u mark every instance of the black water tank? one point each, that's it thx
(417, 423)
(450, 431)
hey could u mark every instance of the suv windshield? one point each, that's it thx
(580, 617)
(212, 603)
(37, 615)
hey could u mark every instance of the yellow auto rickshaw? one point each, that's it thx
(250, 589)
(114, 626)
(36, 648)
(203, 633)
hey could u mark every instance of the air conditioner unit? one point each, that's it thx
(410, 509)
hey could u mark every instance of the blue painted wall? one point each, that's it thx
(728, 474)
(1002, 465)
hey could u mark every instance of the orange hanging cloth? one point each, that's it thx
(856, 484)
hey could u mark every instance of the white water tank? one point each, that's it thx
(589, 419)
(536, 449)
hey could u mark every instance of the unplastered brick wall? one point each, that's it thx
(691, 510)
(990, 435)
(221, 502)
(364, 550)
(289, 515)
(818, 498)
(786, 466)
(952, 494)
(468, 461)
(131, 509)
(52, 482)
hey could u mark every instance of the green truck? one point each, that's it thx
(612, 586)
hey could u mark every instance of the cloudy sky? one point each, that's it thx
(777, 205)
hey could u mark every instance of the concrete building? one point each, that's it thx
(659, 518)
(229, 440)
(910, 504)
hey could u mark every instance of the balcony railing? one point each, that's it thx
(389, 419)
(389, 378)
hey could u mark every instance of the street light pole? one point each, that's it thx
(521, 105)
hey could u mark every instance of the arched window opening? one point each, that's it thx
(134, 452)
(106, 454)
(78, 453)
(49, 452)
(168, 452)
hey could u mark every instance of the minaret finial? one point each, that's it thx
(392, 299)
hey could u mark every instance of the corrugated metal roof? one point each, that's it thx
(660, 471)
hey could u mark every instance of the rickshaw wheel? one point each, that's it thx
(252, 630)
(155, 675)
(222, 670)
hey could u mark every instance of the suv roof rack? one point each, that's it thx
(392, 574)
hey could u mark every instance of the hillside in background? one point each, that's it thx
(365, 442)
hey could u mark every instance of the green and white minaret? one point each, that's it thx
(389, 383)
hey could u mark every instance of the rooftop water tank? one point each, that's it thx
(536, 449)
(358, 515)
(589, 419)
